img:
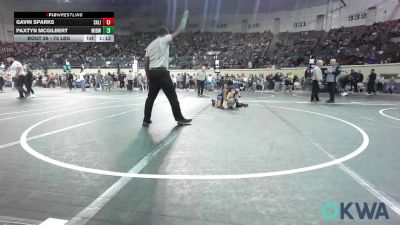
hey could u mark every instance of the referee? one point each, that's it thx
(316, 79)
(156, 66)
(19, 73)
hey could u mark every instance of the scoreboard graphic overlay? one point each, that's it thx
(64, 26)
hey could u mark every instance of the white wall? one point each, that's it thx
(393, 68)
(386, 10)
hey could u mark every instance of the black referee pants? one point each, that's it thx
(315, 90)
(20, 86)
(160, 79)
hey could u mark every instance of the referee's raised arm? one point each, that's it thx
(182, 24)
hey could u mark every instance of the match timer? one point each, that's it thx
(64, 26)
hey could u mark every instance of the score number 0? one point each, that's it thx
(108, 21)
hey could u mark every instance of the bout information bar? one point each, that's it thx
(64, 26)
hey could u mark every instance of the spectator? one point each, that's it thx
(98, 79)
(129, 77)
(121, 79)
(2, 75)
(391, 86)
(200, 79)
(45, 81)
(355, 78)
(174, 82)
(70, 79)
(360, 81)
(109, 81)
(82, 80)
(277, 80)
(333, 71)
(379, 85)
(371, 82)
(52, 80)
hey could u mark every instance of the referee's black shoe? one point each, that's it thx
(184, 121)
(146, 123)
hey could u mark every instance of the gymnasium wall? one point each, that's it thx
(299, 71)
(355, 13)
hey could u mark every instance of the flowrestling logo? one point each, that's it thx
(355, 210)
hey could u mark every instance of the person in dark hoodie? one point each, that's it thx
(371, 82)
